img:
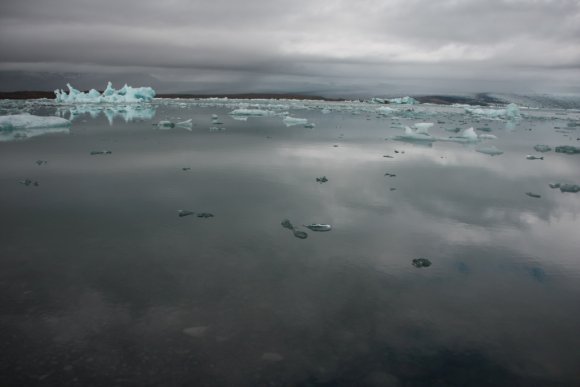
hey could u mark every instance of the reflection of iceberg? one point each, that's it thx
(110, 95)
(127, 113)
(511, 112)
(21, 126)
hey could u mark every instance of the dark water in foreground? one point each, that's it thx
(102, 284)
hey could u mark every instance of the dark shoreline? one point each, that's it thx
(481, 99)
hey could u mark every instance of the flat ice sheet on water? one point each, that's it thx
(110, 95)
(292, 121)
(21, 126)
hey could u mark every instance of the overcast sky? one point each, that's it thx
(293, 45)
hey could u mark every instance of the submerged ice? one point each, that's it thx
(110, 95)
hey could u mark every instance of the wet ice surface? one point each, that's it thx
(102, 284)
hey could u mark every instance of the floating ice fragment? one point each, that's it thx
(165, 124)
(292, 121)
(309, 125)
(564, 187)
(205, 215)
(489, 150)
(532, 157)
(421, 262)
(185, 124)
(300, 234)
(28, 182)
(485, 136)
(287, 224)
(412, 136)
(542, 148)
(41, 162)
(182, 213)
(251, 113)
(321, 180)
(533, 195)
(567, 149)
(23, 126)
(468, 135)
(319, 227)
(385, 111)
(110, 95)
(423, 127)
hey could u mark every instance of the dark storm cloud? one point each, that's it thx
(525, 41)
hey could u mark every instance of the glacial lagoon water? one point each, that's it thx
(103, 284)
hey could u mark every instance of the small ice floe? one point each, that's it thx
(489, 150)
(165, 124)
(28, 182)
(533, 195)
(309, 125)
(568, 149)
(321, 180)
(186, 169)
(251, 113)
(182, 213)
(532, 157)
(41, 162)
(101, 152)
(542, 148)
(318, 227)
(485, 136)
(564, 187)
(421, 262)
(468, 136)
(287, 224)
(390, 174)
(205, 215)
(300, 234)
(292, 121)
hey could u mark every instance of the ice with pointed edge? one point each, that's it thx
(126, 94)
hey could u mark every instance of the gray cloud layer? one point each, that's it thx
(320, 44)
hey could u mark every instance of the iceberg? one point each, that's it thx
(126, 94)
(292, 121)
(423, 127)
(21, 126)
(404, 101)
(511, 112)
(419, 135)
(468, 136)
(489, 150)
(542, 148)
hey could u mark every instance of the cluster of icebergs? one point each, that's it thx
(126, 94)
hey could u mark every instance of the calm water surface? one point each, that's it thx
(102, 284)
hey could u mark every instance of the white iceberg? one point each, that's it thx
(292, 121)
(511, 112)
(468, 136)
(423, 127)
(21, 126)
(126, 94)
(419, 135)
(251, 113)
